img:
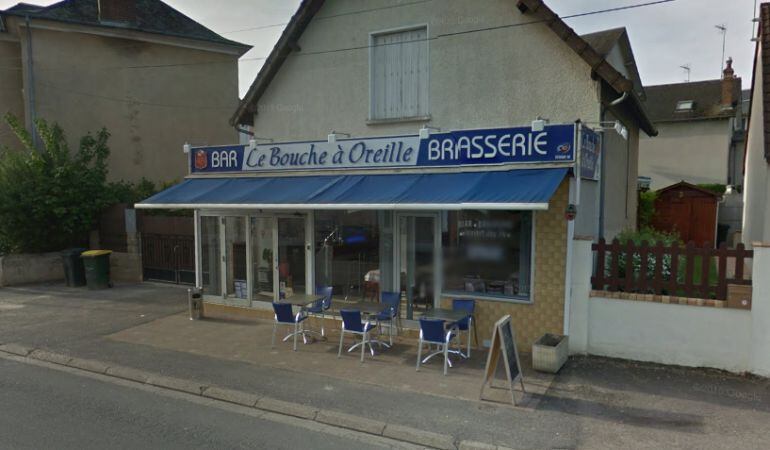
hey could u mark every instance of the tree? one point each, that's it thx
(50, 197)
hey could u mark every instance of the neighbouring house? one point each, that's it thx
(756, 192)
(700, 129)
(427, 149)
(152, 76)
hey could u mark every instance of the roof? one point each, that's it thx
(685, 185)
(152, 16)
(603, 42)
(707, 97)
(308, 8)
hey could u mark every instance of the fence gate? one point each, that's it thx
(169, 258)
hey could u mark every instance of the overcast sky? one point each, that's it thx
(664, 37)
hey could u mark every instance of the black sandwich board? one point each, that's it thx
(503, 342)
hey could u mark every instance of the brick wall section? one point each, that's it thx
(546, 313)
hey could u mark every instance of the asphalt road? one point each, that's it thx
(46, 408)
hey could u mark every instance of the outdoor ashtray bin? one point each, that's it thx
(97, 265)
(195, 303)
(550, 352)
(74, 271)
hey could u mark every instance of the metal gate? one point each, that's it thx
(169, 258)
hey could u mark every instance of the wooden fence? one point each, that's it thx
(689, 271)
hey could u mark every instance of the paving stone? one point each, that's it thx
(232, 396)
(421, 437)
(128, 373)
(56, 358)
(349, 421)
(89, 365)
(290, 409)
(16, 349)
(176, 384)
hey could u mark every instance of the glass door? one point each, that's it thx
(263, 258)
(292, 259)
(417, 262)
(233, 241)
(210, 256)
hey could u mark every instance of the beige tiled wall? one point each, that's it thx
(546, 313)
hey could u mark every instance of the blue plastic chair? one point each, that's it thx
(392, 303)
(351, 323)
(433, 332)
(469, 306)
(285, 316)
(323, 305)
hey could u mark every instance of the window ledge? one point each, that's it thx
(486, 297)
(398, 120)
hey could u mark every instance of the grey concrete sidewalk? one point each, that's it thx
(593, 403)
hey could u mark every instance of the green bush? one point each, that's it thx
(649, 234)
(50, 197)
(714, 187)
(646, 208)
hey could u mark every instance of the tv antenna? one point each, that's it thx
(722, 29)
(687, 69)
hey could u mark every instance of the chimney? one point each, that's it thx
(728, 82)
(117, 11)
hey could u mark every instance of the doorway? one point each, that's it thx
(247, 259)
(417, 262)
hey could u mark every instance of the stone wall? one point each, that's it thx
(30, 268)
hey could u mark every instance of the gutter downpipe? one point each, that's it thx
(31, 86)
(602, 186)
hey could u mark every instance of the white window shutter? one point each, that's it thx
(399, 64)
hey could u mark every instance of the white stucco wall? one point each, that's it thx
(756, 187)
(504, 77)
(620, 167)
(697, 336)
(693, 151)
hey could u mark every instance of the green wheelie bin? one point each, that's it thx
(74, 272)
(97, 264)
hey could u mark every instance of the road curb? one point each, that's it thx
(229, 395)
(89, 365)
(16, 349)
(421, 437)
(55, 358)
(473, 445)
(176, 384)
(356, 423)
(289, 409)
(128, 373)
(332, 418)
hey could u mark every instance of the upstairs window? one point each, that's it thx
(399, 74)
(685, 105)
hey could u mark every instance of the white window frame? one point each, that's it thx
(426, 117)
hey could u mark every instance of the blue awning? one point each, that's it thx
(510, 189)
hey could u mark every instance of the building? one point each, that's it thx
(756, 192)
(152, 76)
(437, 150)
(700, 127)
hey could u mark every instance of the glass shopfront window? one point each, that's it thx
(347, 253)
(210, 257)
(487, 253)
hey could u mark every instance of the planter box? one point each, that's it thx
(550, 352)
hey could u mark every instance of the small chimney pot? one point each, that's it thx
(728, 85)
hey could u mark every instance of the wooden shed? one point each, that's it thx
(688, 210)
